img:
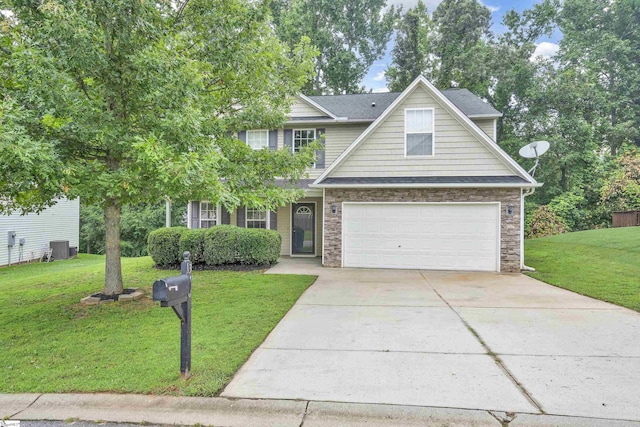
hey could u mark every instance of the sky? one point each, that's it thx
(547, 46)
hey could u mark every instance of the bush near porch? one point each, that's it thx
(217, 246)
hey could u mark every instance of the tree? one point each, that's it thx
(411, 54)
(349, 35)
(600, 50)
(621, 191)
(123, 102)
(461, 46)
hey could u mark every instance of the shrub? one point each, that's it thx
(193, 241)
(227, 244)
(545, 223)
(220, 244)
(258, 247)
(569, 208)
(164, 246)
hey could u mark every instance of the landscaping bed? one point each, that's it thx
(603, 264)
(51, 343)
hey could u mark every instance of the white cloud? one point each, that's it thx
(380, 90)
(492, 9)
(545, 50)
(379, 77)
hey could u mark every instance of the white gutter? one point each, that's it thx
(524, 194)
(427, 185)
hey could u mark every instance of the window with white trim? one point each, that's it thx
(258, 139)
(208, 215)
(257, 218)
(302, 138)
(418, 127)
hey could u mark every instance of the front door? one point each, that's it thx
(303, 229)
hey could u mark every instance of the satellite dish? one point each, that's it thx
(533, 151)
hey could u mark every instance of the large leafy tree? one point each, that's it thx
(411, 54)
(123, 102)
(349, 35)
(600, 53)
(462, 44)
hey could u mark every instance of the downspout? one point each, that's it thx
(524, 194)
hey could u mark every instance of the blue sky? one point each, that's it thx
(546, 46)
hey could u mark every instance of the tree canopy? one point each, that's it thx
(123, 102)
(349, 35)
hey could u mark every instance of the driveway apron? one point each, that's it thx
(445, 339)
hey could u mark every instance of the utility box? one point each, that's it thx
(59, 249)
(11, 237)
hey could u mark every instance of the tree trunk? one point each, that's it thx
(113, 268)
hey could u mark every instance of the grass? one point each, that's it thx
(51, 343)
(603, 264)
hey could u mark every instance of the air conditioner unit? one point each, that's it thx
(59, 249)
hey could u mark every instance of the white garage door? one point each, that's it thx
(437, 236)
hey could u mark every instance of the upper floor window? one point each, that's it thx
(418, 127)
(302, 138)
(258, 139)
(257, 218)
(208, 215)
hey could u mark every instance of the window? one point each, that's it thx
(418, 125)
(208, 215)
(302, 138)
(258, 139)
(257, 218)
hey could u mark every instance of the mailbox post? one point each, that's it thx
(175, 292)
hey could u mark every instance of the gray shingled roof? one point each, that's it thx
(510, 179)
(358, 106)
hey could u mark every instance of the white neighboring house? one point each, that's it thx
(58, 222)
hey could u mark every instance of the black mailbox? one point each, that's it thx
(172, 290)
(175, 292)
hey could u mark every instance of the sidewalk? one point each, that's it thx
(209, 411)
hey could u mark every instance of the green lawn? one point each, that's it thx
(603, 264)
(50, 343)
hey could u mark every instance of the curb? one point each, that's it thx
(219, 411)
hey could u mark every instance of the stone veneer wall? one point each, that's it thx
(510, 227)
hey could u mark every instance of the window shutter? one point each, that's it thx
(320, 153)
(288, 138)
(273, 220)
(195, 214)
(242, 136)
(225, 215)
(273, 140)
(241, 216)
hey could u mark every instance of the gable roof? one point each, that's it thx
(440, 97)
(359, 106)
(317, 106)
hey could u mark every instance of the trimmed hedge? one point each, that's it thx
(258, 247)
(164, 246)
(193, 241)
(219, 245)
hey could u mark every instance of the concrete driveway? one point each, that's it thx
(500, 342)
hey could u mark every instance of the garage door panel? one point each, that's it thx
(429, 236)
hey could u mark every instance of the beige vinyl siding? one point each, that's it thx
(284, 228)
(302, 109)
(337, 139)
(457, 151)
(487, 126)
(58, 222)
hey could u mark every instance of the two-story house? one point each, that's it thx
(406, 180)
